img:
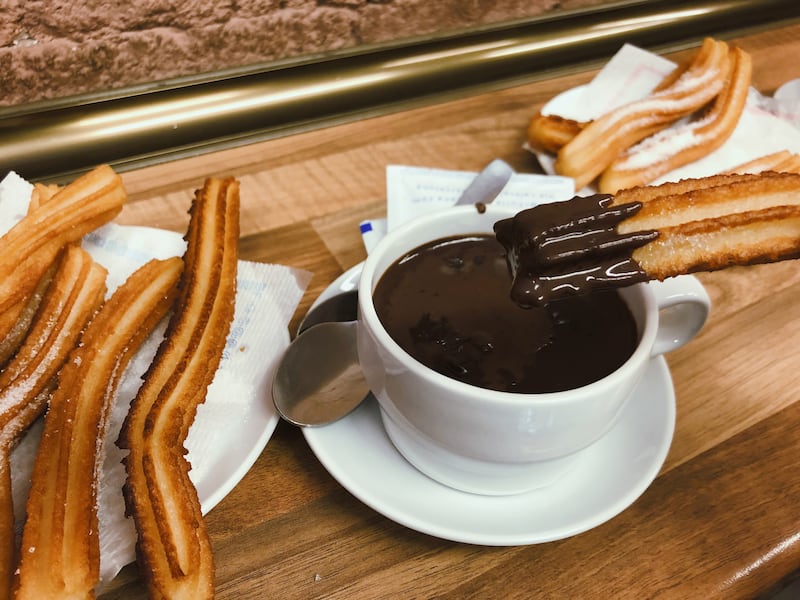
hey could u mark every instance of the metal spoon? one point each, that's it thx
(318, 379)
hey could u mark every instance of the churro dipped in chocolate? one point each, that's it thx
(60, 551)
(565, 248)
(604, 241)
(71, 300)
(173, 548)
(598, 144)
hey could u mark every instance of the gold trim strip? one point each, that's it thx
(56, 142)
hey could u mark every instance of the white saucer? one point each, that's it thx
(609, 478)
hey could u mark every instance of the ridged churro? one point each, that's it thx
(173, 548)
(655, 232)
(790, 165)
(30, 248)
(677, 146)
(673, 204)
(591, 151)
(550, 133)
(16, 321)
(76, 292)
(60, 553)
(782, 161)
(767, 235)
(721, 221)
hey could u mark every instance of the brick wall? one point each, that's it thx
(59, 48)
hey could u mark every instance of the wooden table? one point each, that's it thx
(721, 520)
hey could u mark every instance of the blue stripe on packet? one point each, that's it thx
(371, 232)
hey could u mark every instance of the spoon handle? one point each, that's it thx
(487, 184)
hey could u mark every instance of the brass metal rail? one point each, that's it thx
(133, 128)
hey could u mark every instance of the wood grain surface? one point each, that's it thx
(722, 520)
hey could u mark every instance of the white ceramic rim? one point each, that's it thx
(369, 316)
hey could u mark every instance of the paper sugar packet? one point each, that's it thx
(414, 191)
(767, 125)
(234, 424)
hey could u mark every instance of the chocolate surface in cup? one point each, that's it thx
(447, 304)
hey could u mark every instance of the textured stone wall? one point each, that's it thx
(59, 48)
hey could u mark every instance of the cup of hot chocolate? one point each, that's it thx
(486, 396)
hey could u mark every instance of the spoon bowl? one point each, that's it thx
(319, 379)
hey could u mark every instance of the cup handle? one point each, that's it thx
(683, 307)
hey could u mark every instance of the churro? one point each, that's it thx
(41, 194)
(173, 548)
(655, 232)
(673, 204)
(16, 321)
(76, 292)
(29, 248)
(550, 133)
(647, 193)
(18, 318)
(790, 165)
(721, 221)
(677, 146)
(60, 554)
(591, 151)
(767, 235)
(781, 161)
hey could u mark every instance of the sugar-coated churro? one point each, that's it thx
(76, 292)
(782, 161)
(60, 554)
(766, 235)
(709, 198)
(550, 132)
(720, 221)
(601, 141)
(29, 248)
(790, 165)
(16, 321)
(677, 146)
(173, 548)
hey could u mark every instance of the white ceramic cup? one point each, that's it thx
(490, 442)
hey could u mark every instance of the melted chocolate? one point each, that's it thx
(446, 303)
(572, 247)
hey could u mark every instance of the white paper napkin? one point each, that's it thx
(238, 416)
(415, 191)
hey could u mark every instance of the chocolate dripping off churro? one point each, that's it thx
(571, 247)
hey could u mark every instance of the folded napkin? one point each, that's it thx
(236, 421)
